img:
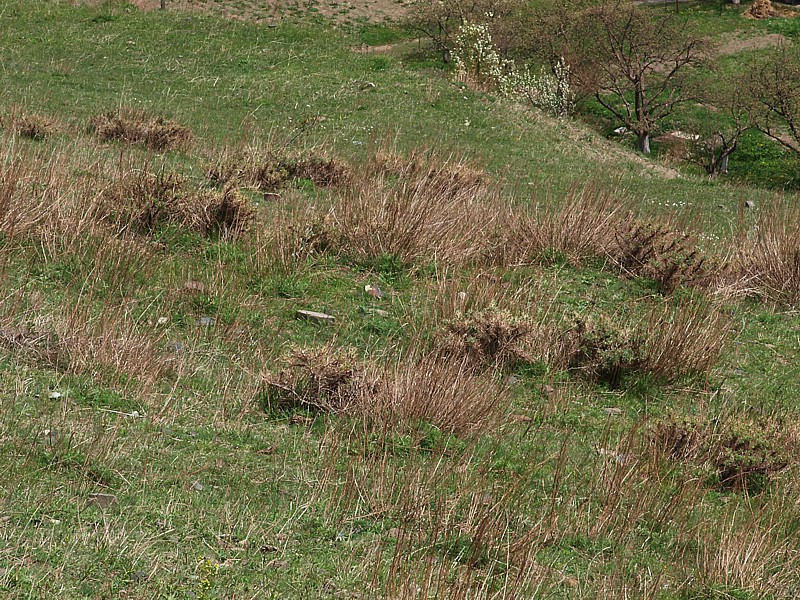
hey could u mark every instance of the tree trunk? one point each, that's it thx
(723, 164)
(163, 4)
(643, 143)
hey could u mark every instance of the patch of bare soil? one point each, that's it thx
(735, 43)
(275, 11)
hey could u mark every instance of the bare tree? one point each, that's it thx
(774, 86)
(636, 63)
(728, 115)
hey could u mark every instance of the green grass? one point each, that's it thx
(216, 497)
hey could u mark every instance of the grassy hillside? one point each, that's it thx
(554, 369)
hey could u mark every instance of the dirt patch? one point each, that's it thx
(735, 43)
(275, 11)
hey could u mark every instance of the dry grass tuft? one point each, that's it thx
(418, 388)
(144, 201)
(769, 258)
(137, 127)
(581, 227)
(35, 127)
(268, 169)
(439, 211)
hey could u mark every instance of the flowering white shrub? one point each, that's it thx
(479, 64)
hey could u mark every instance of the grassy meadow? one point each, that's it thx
(555, 368)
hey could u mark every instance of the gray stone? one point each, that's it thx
(749, 204)
(316, 317)
(102, 500)
(206, 321)
(612, 410)
(197, 486)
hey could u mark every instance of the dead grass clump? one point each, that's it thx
(417, 389)
(138, 127)
(443, 392)
(321, 380)
(144, 201)
(684, 339)
(769, 258)
(656, 251)
(268, 170)
(581, 227)
(35, 127)
(426, 214)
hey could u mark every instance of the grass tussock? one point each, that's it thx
(582, 226)
(143, 201)
(137, 127)
(769, 257)
(35, 126)
(417, 389)
(268, 169)
(438, 211)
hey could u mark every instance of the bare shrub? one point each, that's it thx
(658, 252)
(321, 380)
(741, 453)
(137, 127)
(488, 337)
(768, 259)
(144, 201)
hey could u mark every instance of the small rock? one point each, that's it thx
(621, 130)
(162, 320)
(512, 380)
(520, 418)
(54, 395)
(278, 564)
(367, 85)
(50, 437)
(378, 312)
(102, 500)
(138, 576)
(206, 321)
(197, 486)
(612, 410)
(317, 317)
(194, 287)
(749, 204)
(374, 291)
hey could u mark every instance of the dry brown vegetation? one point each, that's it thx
(267, 167)
(144, 201)
(137, 127)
